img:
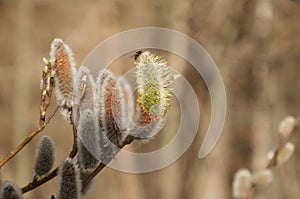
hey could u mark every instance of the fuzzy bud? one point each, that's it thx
(286, 126)
(84, 89)
(45, 156)
(64, 75)
(285, 154)
(109, 109)
(45, 60)
(270, 155)
(69, 182)
(52, 74)
(88, 140)
(10, 191)
(45, 70)
(52, 63)
(263, 178)
(129, 104)
(242, 183)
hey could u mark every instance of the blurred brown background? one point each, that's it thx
(255, 44)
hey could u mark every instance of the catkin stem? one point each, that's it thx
(34, 184)
(272, 161)
(26, 140)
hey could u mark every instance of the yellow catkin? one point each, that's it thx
(152, 78)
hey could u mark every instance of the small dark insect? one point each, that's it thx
(137, 54)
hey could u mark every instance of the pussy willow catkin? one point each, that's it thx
(152, 78)
(62, 56)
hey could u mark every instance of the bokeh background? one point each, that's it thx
(255, 44)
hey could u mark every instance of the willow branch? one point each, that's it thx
(26, 140)
(36, 183)
(272, 162)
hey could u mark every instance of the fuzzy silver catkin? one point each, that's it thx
(263, 178)
(285, 154)
(109, 110)
(69, 182)
(88, 140)
(242, 183)
(128, 106)
(84, 89)
(10, 191)
(45, 156)
(286, 126)
(64, 77)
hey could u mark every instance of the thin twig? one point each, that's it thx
(26, 140)
(273, 161)
(74, 147)
(34, 184)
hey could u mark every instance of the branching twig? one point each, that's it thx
(272, 162)
(36, 183)
(46, 93)
(26, 140)
(46, 88)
